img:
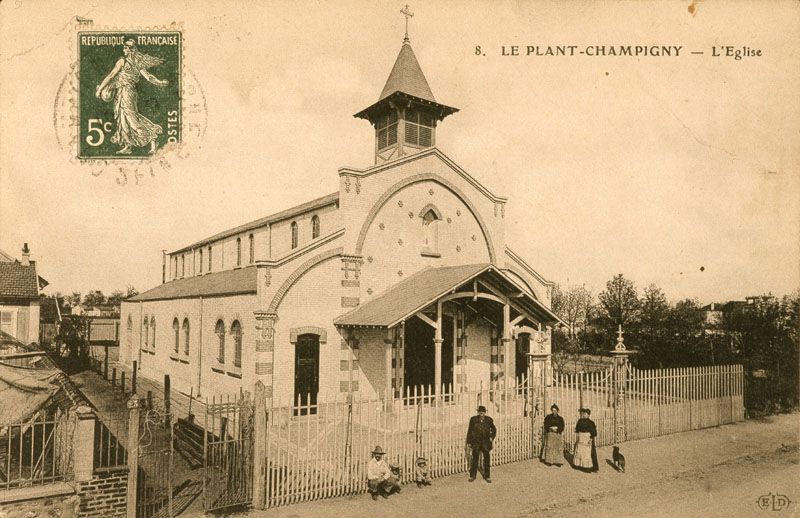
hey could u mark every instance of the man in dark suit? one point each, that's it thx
(480, 434)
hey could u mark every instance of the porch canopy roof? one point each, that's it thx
(425, 287)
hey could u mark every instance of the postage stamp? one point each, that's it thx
(129, 93)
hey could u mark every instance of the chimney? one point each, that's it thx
(26, 255)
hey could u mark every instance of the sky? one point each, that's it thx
(678, 171)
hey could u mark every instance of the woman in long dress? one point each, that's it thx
(132, 128)
(554, 444)
(585, 457)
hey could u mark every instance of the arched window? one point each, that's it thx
(130, 322)
(238, 251)
(176, 268)
(183, 265)
(186, 336)
(252, 249)
(153, 334)
(209, 259)
(145, 334)
(314, 227)
(220, 331)
(176, 328)
(294, 234)
(201, 260)
(236, 332)
(430, 225)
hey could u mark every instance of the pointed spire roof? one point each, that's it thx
(407, 76)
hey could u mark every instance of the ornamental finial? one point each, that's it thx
(620, 340)
(406, 11)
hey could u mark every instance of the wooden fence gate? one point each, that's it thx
(155, 462)
(228, 459)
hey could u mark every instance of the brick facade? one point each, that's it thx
(104, 496)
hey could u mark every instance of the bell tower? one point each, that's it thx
(406, 114)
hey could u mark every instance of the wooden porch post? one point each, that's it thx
(437, 343)
(506, 341)
(389, 395)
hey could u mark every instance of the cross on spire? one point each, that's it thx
(406, 11)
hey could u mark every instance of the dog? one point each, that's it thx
(619, 460)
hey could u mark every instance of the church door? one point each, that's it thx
(306, 373)
(523, 346)
(420, 356)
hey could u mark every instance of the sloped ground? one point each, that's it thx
(714, 472)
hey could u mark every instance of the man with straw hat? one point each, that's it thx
(380, 480)
(480, 434)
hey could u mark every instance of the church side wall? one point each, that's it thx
(183, 370)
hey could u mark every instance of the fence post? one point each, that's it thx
(133, 454)
(620, 373)
(83, 444)
(133, 376)
(167, 402)
(260, 446)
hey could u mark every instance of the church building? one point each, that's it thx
(401, 278)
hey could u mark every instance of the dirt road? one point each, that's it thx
(714, 472)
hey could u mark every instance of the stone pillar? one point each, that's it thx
(265, 350)
(538, 359)
(133, 454)
(83, 444)
(505, 349)
(620, 376)
(461, 351)
(437, 354)
(349, 369)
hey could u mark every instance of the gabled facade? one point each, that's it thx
(401, 278)
(20, 287)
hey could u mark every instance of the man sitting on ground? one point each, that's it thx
(380, 480)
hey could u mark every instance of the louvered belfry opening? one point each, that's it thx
(406, 114)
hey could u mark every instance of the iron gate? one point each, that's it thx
(228, 458)
(155, 462)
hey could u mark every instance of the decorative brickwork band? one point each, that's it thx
(350, 302)
(350, 283)
(263, 368)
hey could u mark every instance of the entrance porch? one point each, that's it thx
(444, 331)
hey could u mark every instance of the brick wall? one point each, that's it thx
(57, 503)
(105, 495)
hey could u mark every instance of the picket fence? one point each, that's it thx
(321, 451)
(654, 402)
(306, 451)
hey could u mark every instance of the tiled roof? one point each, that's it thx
(407, 77)
(18, 280)
(425, 287)
(278, 216)
(227, 282)
(409, 296)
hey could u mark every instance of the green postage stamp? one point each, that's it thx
(129, 93)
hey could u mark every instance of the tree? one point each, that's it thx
(116, 297)
(573, 305)
(649, 334)
(619, 305)
(73, 300)
(94, 298)
(130, 291)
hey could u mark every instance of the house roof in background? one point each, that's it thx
(227, 282)
(18, 280)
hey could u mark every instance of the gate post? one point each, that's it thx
(538, 359)
(133, 454)
(260, 447)
(620, 374)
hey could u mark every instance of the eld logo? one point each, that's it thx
(772, 502)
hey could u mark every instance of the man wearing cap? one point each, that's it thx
(480, 434)
(379, 477)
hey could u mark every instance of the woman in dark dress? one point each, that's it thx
(554, 444)
(585, 453)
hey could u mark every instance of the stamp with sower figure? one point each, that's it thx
(129, 94)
